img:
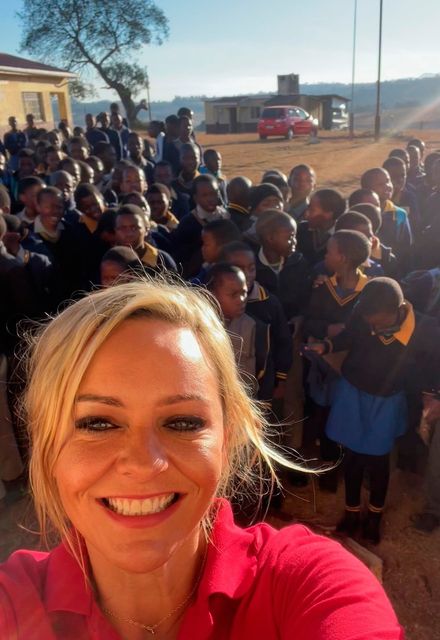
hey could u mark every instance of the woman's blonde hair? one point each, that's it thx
(62, 350)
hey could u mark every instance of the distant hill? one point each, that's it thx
(406, 93)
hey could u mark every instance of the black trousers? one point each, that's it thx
(378, 469)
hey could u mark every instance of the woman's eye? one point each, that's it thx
(94, 424)
(185, 424)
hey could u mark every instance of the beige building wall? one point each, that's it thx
(12, 104)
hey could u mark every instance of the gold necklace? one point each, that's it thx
(151, 628)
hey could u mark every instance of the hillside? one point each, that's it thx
(417, 97)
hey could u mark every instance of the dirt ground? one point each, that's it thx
(411, 561)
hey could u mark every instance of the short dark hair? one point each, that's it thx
(172, 119)
(271, 220)
(101, 146)
(26, 183)
(351, 220)
(378, 296)
(26, 153)
(401, 154)
(223, 231)
(49, 191)
(394, 161)
(416, 142)
(106, 222)
(262, 191)
(302, 167)
(163, 163)
(218, 272)
(209, 152)
(276, 179)
(234, 247)
(125, 257)
(368, 177)
(357, 197)
(130, 210)
(158, 187)
(371, 212)
(430, 160)
(205, 178)
(353, 245)
(331, 201)
(84, 190)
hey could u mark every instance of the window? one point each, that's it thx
(255, 112)
(274, 112)
(33, 103)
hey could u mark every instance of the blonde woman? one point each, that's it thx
(140, 427)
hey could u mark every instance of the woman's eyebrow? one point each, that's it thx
(115, 402)
(92, 397)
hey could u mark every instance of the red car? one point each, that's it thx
(286, 121)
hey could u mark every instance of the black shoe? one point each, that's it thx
(349, 523)
(426, 522)
(371, 527)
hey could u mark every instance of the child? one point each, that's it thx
(357, 221)
(302, 182)
(120, 264)
(280, 269)
(212, 165)
(27, 191)
(238, 192)
(395, 231)
(63, 181)
(250, 338)
(326, 205)
(363, 196)
(386, 343)
(402, 196)
(215, 235)
(180, 202)
(189, 163)
(133, 179)
(379, 252)
(187, 238)
(277, 178)
(135, 148)
(266, 307)
(263, 197)
(159, 198)
(131, 231)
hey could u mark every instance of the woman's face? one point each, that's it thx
(145, 455)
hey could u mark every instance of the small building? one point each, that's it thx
(32, 87)
(240, 114)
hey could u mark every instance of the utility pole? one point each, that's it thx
(377, 118)
(148, 96)
(353, 70)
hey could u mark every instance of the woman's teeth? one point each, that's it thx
(145, 507)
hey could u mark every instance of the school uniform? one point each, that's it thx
(95, 135)
(289, 281)
(395, 232)
(180, 185)
(298, 211)
(408, 202)
(155, 260)
(187, 239)
(371, 268)
(240, 216)
(312, 243)
(251, 343)
(369, 408)
(385, 257)
(267, 308)
(90, 250)
(179, 203)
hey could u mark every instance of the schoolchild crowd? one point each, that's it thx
(332, 301)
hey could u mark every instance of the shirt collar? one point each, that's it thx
(51, 236)
(408, 325)
(362, 280)
(89, 223)
(151, 255)
(257, 293)
(239, 208)
(276, 268)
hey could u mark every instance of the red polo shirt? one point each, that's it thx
(258, 584)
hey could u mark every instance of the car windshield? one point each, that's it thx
(273, 113)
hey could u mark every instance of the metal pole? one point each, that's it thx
(351, 124)
(377, 119)
(148, 97)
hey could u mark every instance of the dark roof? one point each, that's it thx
(14, 62)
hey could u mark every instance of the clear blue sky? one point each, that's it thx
(226, 47)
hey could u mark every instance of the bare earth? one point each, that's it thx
(411, 561)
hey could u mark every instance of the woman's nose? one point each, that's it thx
(143, 456)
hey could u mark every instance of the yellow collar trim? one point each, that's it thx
(406, 330)
(332, 284)
(89, 223)
(150, 256)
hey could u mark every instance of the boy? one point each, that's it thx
(78, 148)
(133, 179)
(163, 173)
(265, 307)
(363, 196)
(379, 252)
(187, 238)
(27, 191)
(53, 238)
(326, 205)
(135, 148)
(189, 162)
(131, 231)
(238, 194)
(250, 338)
(386, 342)
(280, 269)
(212, 165)
(395, 231)
(402, 196)
(302, 183)
(159, 198)
(215, 235)
(64, 181)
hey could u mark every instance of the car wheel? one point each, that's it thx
(263, 137)
(289, 134)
